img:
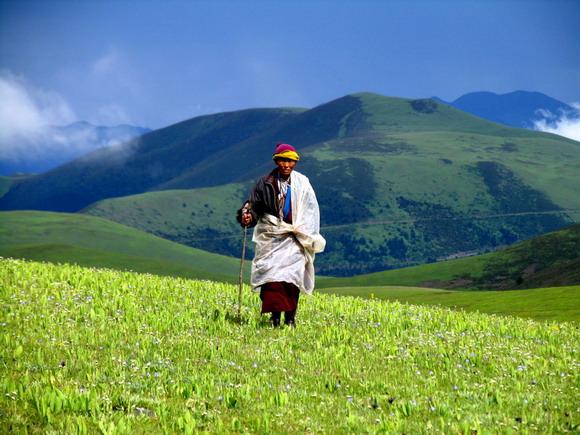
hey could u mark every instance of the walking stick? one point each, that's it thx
(244, 211)
(241, 275)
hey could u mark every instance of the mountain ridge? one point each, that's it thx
(521, 109)
(418, 168)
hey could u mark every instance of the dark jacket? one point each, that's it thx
(262, 199)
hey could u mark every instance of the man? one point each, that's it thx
(283, 209)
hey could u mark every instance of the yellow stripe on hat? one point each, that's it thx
(292, 155)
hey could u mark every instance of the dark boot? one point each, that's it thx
(289, 318)
(275, 319)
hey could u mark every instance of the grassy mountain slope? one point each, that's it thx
(5, 183)
(400, 182)
(202, 218)
(547, 260)
(21, 228)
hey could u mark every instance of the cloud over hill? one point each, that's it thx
(37, 132)
(566, 123)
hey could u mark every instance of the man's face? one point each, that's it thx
(285, 167)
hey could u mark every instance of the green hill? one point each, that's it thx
(202, 218)
(400, 182)
(89, 240)
(549, 260)
(7, 181)
(89, 257)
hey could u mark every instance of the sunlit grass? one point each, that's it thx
(560, 304)
(87, 350)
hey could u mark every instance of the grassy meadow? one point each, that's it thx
(561, 304)
(89, 350)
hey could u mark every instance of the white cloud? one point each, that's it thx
(24, 109)
(566, 124)
(36, 131)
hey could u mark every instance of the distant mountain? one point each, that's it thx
(400, 182)
(147, 163)
(45, 149)
(520, 109)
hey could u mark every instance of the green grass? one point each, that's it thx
(21, 228)
(99, 351)
(560, 304)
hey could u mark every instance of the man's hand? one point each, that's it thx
(246, 219)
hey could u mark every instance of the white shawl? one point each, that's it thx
(285, 252)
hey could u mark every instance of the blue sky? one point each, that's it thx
(154, 63)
